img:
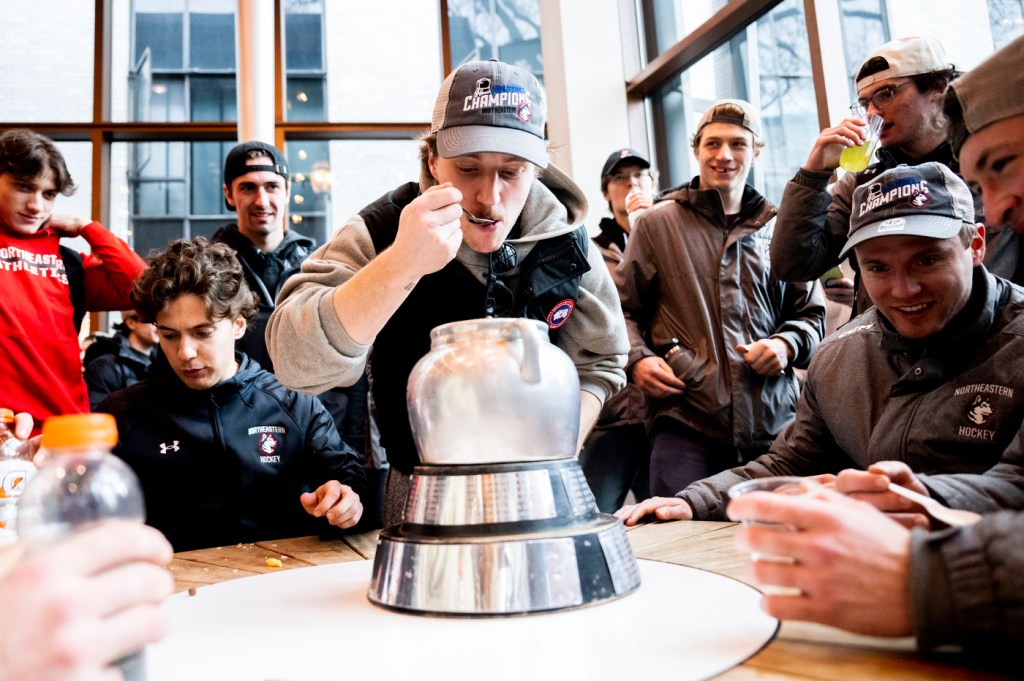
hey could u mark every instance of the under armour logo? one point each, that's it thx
(173, 447)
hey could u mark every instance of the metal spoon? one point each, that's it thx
(477, 221)
(953, 517)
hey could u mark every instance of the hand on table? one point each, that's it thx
(72, 609)
(335, 501)
(662, 508)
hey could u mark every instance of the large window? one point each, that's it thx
(863, 23)
(46, 65)
(775, 76)
(359, 81)
(508, 30)
(669, 21)
(769, 63)
(182, 60)
(305, 99)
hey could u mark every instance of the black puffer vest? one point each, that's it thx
(548, 277)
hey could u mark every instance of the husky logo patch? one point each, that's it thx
(560, 313)
(268, 443)
(980, 411)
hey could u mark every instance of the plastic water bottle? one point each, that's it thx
(16, 469)
(79, 485)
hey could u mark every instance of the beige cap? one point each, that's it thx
(724, 111)
(992, 90)
(905, 57)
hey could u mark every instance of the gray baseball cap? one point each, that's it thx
(923, 200)
(991, 91)
(491, 106)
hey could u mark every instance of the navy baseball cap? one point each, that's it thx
(623, 156)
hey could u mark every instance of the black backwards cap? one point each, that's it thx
(237, 162)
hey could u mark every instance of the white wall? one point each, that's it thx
(585, 87)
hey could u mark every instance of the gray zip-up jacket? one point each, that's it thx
(312, 351)
(685, 275)
(965, 588)
(952, 403)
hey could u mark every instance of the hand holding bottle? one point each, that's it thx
(81, 485)
(16, 469)
(77, 606)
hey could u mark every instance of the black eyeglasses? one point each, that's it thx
(880, 99)
(624, 178)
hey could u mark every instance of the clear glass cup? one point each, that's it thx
(856, 159)
(783, 484)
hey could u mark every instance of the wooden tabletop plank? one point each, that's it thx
(828, 662)
(210, 566)
(363, 544)
(708, 546)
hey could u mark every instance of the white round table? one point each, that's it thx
(316, 624)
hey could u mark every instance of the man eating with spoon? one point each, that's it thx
(415, 258)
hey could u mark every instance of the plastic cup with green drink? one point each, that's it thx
(856, 159)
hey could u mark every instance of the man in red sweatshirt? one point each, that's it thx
(48, 288)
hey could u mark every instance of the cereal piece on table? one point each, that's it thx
(274, 563)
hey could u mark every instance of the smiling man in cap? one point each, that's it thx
(696, 283)
(414, 259)
(256, 187)
(933, 371)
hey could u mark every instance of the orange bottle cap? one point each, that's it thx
(79, 430)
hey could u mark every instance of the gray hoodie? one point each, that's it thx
(312, 351)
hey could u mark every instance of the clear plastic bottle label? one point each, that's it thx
(14, 476)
